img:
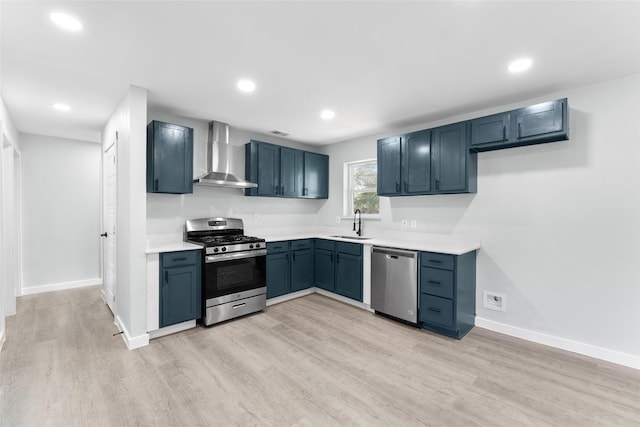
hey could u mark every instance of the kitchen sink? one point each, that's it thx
(353, 237)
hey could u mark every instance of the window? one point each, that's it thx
(361, 188)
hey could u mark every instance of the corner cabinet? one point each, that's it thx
(286, 172)
(169, 158)
(447, 300)
(431, 161)
(289, 266)
(536, 124)
(338, 268)
(180, 287)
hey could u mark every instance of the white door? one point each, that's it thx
(109, 180)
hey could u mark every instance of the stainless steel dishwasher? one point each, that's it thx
(394, 283)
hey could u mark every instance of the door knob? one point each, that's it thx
(104, 234)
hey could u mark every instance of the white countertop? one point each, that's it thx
(168, 243)
(454, 244)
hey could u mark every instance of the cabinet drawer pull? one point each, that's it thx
(179, 259)
(434, 309)
(433, 282)
(238, 306)
(519, 130)
(435, 261)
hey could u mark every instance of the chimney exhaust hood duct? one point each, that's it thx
(220, 161)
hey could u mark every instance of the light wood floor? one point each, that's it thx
(307, 362)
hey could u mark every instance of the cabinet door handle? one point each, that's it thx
(155, 184)
(282, 190)
(434, 309)
(337, 258)
(504, 132)
(166, 276)
(519, 130)
(433, 282)
(397, 187)
(437, 184)
(331, 258)
(406, 187)
(293, 256)
(275, 190)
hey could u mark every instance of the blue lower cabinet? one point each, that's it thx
(180, 287)
(324, 269)
(447, 293)
(277, 274)
(289, 266)
(338, 268)
(301, 269)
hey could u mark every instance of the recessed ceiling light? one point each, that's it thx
(61, 107)
(327, 114)
(245, 85)
(520, 65)
(66, 21)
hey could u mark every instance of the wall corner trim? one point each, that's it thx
(612, 356)
(3, 338)
(131, 342)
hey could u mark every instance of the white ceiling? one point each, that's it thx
(377, 64)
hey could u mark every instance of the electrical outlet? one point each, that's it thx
(414, 223)
(494, 301)
(255, 216)
(337, 220)
(404, 223)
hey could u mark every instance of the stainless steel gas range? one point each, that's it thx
(233, 269)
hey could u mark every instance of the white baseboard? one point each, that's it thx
(167, 330)
(612, 356)
(343, 299)
(131, 342)
(288, 297)
(61, 286)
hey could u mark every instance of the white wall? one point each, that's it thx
(129, 120)
(166, 213)
(61, 213)
(559, 222)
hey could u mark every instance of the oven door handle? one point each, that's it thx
(236, 255)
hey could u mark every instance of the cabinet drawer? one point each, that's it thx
(349, 248)
(432, 259)
(329, 245)
(275, 247)
(180, 258)
(436, 310)
(436, 282)
(301, 244)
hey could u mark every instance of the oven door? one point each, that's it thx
(228, 274)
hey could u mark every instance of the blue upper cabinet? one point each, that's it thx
(316, 176)
(430, 161)
(268, 178)
(454, 166)
(169, 158)
(389, 163)
(540, 123)
(416, 163)
(286, 172)
(291, 178)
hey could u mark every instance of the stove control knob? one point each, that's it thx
(257, 245)
(224, 249)
(215, 250)
(250, 246)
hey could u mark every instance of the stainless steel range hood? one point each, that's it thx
(219, 160)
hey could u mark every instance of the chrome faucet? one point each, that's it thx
(357, 212)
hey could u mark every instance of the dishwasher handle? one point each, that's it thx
(393, 253)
